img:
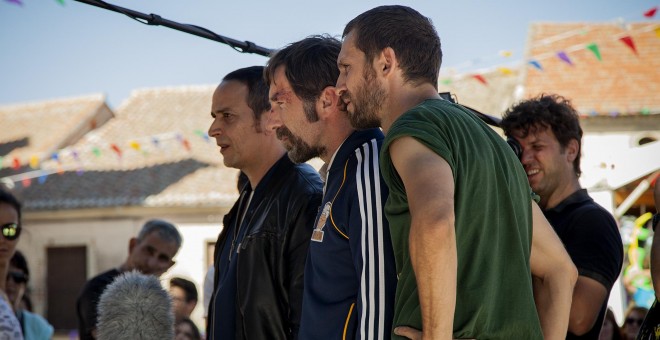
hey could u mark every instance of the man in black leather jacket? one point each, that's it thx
(261, 251)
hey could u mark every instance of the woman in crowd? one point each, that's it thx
(633, 321)
(610, 330)
(10, 230)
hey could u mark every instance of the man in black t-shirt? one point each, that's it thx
(151, 253)
(548, 129)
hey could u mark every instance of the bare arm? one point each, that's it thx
(430, 190)
(588, 298)
(554, 277)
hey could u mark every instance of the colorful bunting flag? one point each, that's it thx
(116, 149)
(564, 57)
(61, 2)
(446, 81)
(54, 156)
(16, 2)
(42, 178)
(651, 12)
(155, 142)
(594, 48)
(16, 163)
(629, 42)
(34, 162)
(134, 145)
(26, 182)
(186, 144)
(96, 151)
(480, 78)
(646, 111)
(506, 54)
(505, 71)
(657, 32)
(536, 64)
(203, 134)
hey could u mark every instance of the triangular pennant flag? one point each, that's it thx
(79, 171)
(203, 135)
(564, 57)
(651, 12)
(480, 78)
(34, 162)
(645, 111)
(446, 81)
(506, 54)
(594, 48)
(96, 151)
(155, 142)
(657, 32)
(135, 145)
(54, 156)
(16, 163)
(505, 71)
(42, 178)
(26, 182)
(186, 144)
(116, 149)
(536, 64)
(629, 42)
(16, 2)
(74, 153)
(61, 2)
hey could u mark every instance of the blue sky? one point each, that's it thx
(51, 51)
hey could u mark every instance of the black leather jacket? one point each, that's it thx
(271, 259)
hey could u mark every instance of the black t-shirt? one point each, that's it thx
(89, 300)
(592, 240)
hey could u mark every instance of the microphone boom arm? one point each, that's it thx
(156, 20)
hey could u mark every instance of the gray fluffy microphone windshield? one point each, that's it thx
(135, 306)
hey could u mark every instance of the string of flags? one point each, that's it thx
(536, 62)
(140, 145)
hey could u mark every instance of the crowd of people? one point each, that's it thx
(421, 224)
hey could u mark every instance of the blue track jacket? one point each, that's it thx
(350, 274)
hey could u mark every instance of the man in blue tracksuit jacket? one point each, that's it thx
(350, 275)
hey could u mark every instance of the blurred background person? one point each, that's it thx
(10, 228)
(135, 306)
(184, 297)
(610, 329)
(151, 252)
(34, 326)
(185, 329)
(633, 321)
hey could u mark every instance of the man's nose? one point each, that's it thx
(274, 120)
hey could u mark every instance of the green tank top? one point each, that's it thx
(493, 222)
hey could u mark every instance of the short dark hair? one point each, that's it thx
(166, 230)
(19, 261)
(543, 112)
(9, 198)
(410, 34)
(187, 286)
(257, 98)
(311, 66)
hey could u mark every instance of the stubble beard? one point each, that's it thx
(297, 149)
(367, 103)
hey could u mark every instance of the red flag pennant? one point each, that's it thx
(629, 42)
(116, 149)
(26, 182)
(186, 144)
(16, 163)
(480, 78)
(651, 12)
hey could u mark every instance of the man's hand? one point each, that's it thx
(408, 332)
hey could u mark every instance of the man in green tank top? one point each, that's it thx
(465, 232)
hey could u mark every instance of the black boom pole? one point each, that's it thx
(156, 20)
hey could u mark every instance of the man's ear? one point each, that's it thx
(572, 149)
(387, 61)
(328, 101)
